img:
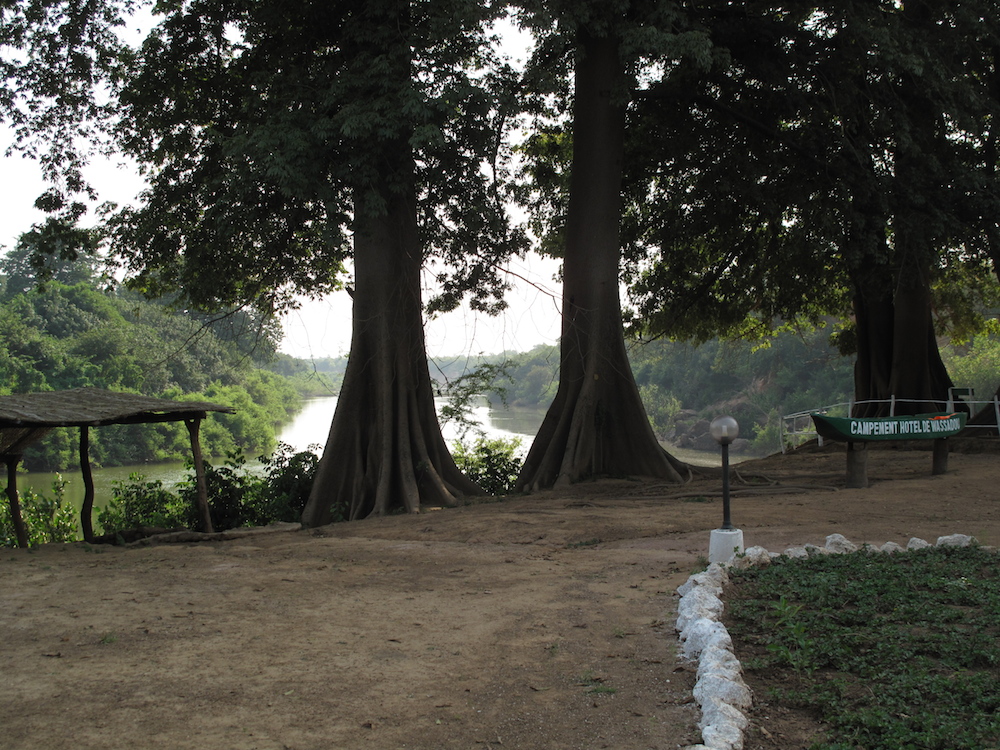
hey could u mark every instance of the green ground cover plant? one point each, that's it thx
(887, 651)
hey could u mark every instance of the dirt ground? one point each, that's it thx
(535, 622)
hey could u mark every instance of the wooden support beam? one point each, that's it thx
(940, 461)
(15, 503)
(194, 429)
(86, 512)
(857, 465)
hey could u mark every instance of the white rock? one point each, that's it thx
(891, 548)
(700, 602)
(719, 661)
(839, 544)
(725, 737)
(916, 543)
(812, 550)
(702, 634)
(714, 687)
(722, 726)
(796, 552)
(714, 576)
(956, 540)
(752, 556)
(719, 713)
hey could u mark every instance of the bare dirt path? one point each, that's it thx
(536, 622)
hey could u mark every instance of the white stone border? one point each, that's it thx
(719, 690)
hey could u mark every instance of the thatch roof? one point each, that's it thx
(26, 417)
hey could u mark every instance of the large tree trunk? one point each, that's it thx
(385, 450)
(918, 372)
(988, 414)
(898, 354)
(596, 424)
(897, 350)
(873, 321)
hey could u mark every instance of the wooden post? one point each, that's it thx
(194, 427)
(86, 512)
(940, 461)
(15, 504)
(857, 465)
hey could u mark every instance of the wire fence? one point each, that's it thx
(798, 428)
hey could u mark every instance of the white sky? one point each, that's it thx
(322, 328)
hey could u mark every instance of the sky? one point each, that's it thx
(322, 328)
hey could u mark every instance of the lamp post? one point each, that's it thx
(727, 540)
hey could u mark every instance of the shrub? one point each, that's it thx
(289, 481)
(46, 519)
(234, 494)
(237, 496)
(138, 502)
(662, 408)
(492, 463)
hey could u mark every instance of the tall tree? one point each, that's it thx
(280, 137)
(825, 166)
(60, 63)
(596, 425)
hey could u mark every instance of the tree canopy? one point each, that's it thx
(741, 167)
(831, 159)
(61, 63)
(75, 333)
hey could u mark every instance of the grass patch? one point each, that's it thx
(583, 543)
(595, 685)
(889, 651)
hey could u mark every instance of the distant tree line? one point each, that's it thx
(754, 381)
(75, 331)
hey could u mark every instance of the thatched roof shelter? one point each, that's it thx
(27, 417)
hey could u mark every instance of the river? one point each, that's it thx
(307, 429)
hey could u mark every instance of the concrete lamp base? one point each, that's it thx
(724, 545)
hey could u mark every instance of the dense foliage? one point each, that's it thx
(46, 518)
(492, 463)
(755, 383)
(975, 364)
(73, 334)
(313, 377)
(239, 497)
(889, 650)
(767, 162)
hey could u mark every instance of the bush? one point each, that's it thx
(492, 463)
(237, 496)
(137, 502)
(46, 519)
(289, 482)
(977, 367)
(662, 408)
(767, 437)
